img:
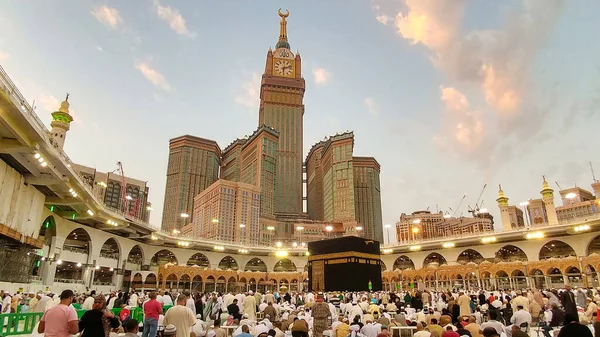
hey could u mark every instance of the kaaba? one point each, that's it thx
(348, 263)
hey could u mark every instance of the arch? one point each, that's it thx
(47, 230)
(150, 281)
(136, 255)
(517, 273)
(594, 246)
(228, 263)
(556, 249)
(199, 260)
(197, 283)
(256, 264)
(403, 262)
(510, 253)
(163, 256)
(78, 241)
(434, 260)
(111, 249)
(285, 265)
(469, 255)
(383, 266)
(536, 272)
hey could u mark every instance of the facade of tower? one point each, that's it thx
(282, 108)
(61, 123)
(231, 160)
(314, 182)
(259, 168)
(227, 211)
(342, 188)
(193, 166)
(367, 196)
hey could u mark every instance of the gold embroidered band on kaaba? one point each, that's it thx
(342, 255)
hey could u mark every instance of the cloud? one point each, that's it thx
(497, 62)
(250, 93)
(153, 75)
(49, 103)
(464, 124)
(384, 19)
(370, 105)
(430, 22)
(173, 18)
(3, 56)
(98, 48)
(108, 16)
(321, 75)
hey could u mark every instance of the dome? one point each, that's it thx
(64, 106)
(282, 44)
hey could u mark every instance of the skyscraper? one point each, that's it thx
(193, 166)
(367, 196)
(282, 108)
(271, 160)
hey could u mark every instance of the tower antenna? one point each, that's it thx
(593, 174)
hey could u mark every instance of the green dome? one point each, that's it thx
(282, 44)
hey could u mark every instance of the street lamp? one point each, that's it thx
(571, 196)
(242, 232)
(300, 229)
(387, 229)
(328, 229)
(524, 204)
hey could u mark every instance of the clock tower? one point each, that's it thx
(282, 108)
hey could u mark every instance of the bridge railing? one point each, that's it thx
(19, 100)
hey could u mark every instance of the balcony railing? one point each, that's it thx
(67, 280)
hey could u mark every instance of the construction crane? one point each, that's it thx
(457, 206)
(119, 171)
(593, 174)
(475, 210)
(126, 199)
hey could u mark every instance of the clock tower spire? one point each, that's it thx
(283, 41)
(282, 108)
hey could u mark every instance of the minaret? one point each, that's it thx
(503, 205)
(61, 123)
(548, 199)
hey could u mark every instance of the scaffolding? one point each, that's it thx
(16, 261)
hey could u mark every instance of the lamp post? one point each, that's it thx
(387, 229)
(328, 229)
(415, 229)
(300, 229)
(242, 233)
(571, 196)
(524, 204)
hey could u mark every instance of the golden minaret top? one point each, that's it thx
(283, 40)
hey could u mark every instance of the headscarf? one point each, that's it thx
(105, 320)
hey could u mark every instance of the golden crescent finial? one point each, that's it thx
(287, 13)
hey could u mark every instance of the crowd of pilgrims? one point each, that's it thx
(455, 313)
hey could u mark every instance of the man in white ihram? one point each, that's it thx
(519, 317)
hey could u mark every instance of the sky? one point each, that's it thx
(447, 95)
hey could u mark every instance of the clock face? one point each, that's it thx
(284, 68)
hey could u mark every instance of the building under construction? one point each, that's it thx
(424, 225)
